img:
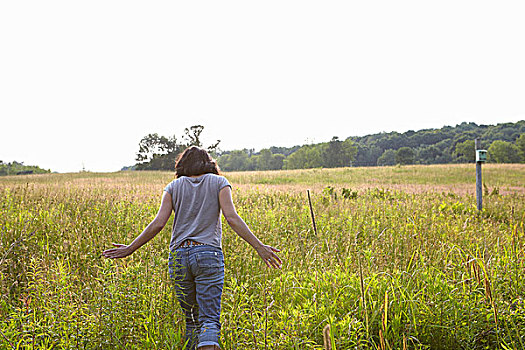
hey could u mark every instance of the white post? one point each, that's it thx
(479, 184)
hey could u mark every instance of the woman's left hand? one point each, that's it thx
(120, 251)
(267, 253)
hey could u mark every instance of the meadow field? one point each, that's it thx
(401, 259)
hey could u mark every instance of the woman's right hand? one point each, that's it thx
(267, 253)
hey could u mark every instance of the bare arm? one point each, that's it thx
(149, 232)
(266, 252)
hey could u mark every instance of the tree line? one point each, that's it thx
(17, 168)
(505, 144)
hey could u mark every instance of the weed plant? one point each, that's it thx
(389, 268)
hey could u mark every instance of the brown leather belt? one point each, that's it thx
(189, 243)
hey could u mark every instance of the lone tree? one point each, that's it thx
(160, 152)
(504, 152)
(405, 155)
(465, 151)
(520, 143)
(338, 153)
(387, 158)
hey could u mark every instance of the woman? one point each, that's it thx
(197, 196)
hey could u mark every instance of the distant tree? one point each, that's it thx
(520, 143)
(392, 140)
(337, 153)
(238, 160)
(18, 168)
(192, 135)
(428, 155)
(3, 168)
(504, 132)
(444, 145)
(128, 168)
(277, 162)
(367, 155)
(349, 152)
(405, 155)
(504, 152)
(331, 153)
(444, 158)
(427, 137)
(153, 145)
(264, 160)
(306, 157)
(465, 136)
(466, 151)
(387, 158)
(160, 152)
(465, 126)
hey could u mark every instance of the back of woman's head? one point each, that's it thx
(195, 161)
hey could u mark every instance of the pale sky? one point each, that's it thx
(81, 82)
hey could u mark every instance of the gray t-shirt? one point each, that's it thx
(197, 209)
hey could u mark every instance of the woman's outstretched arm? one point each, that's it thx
(149, 232)
(266, 252)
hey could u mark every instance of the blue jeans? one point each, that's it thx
(198, 274)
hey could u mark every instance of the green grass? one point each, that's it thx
(495, 175)
(407, 260)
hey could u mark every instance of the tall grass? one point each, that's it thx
(391, 267)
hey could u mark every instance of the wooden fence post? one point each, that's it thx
(312, 212)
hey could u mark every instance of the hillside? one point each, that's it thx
(505, 142)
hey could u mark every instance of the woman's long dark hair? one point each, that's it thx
(195, 161)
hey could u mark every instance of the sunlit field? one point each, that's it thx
(401, 259)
